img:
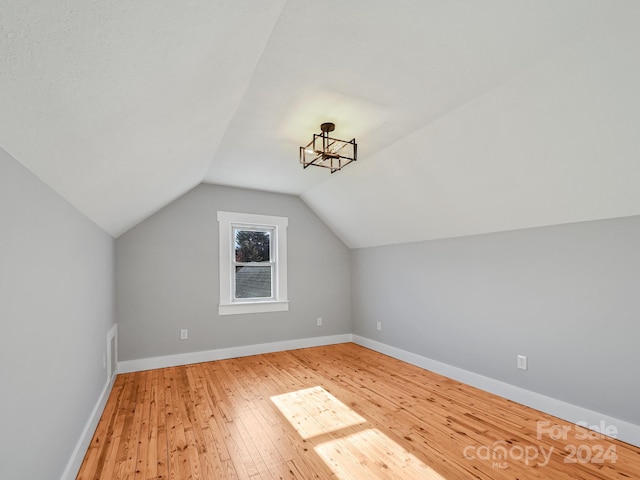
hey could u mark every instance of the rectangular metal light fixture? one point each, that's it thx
(328, 152)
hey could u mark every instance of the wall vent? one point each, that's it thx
(112, 352)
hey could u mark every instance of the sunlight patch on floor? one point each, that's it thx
(370, 454)
(314, 411)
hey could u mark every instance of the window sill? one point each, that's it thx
(253, 307)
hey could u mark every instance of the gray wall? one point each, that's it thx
(167, 277)
(56, 307)
(568, 297)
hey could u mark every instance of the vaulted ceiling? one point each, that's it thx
(470, 116)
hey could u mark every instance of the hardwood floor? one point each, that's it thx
(335, 412)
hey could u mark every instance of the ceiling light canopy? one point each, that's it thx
(327, 152)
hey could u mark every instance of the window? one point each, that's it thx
(253, 263)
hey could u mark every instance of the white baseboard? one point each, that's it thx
(224, 353)
(77, 456)
(627, 432)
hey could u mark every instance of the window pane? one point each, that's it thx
(252, 246)
(253, 282)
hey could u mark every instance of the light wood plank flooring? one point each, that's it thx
(335, 412)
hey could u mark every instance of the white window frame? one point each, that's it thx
(271, 263)
(229, 305)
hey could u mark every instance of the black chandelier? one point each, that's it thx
(327, 152)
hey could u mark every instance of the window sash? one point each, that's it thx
(242, 298)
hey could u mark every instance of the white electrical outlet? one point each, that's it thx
(522, 362)
(379, 326)
(104, 360)
(184, 334)
(319, 321)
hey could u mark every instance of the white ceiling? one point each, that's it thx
(470, 116)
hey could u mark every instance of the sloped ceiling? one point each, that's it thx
(470, 116)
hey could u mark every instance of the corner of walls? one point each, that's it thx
(167, 278)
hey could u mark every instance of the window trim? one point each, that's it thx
(228, 304)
